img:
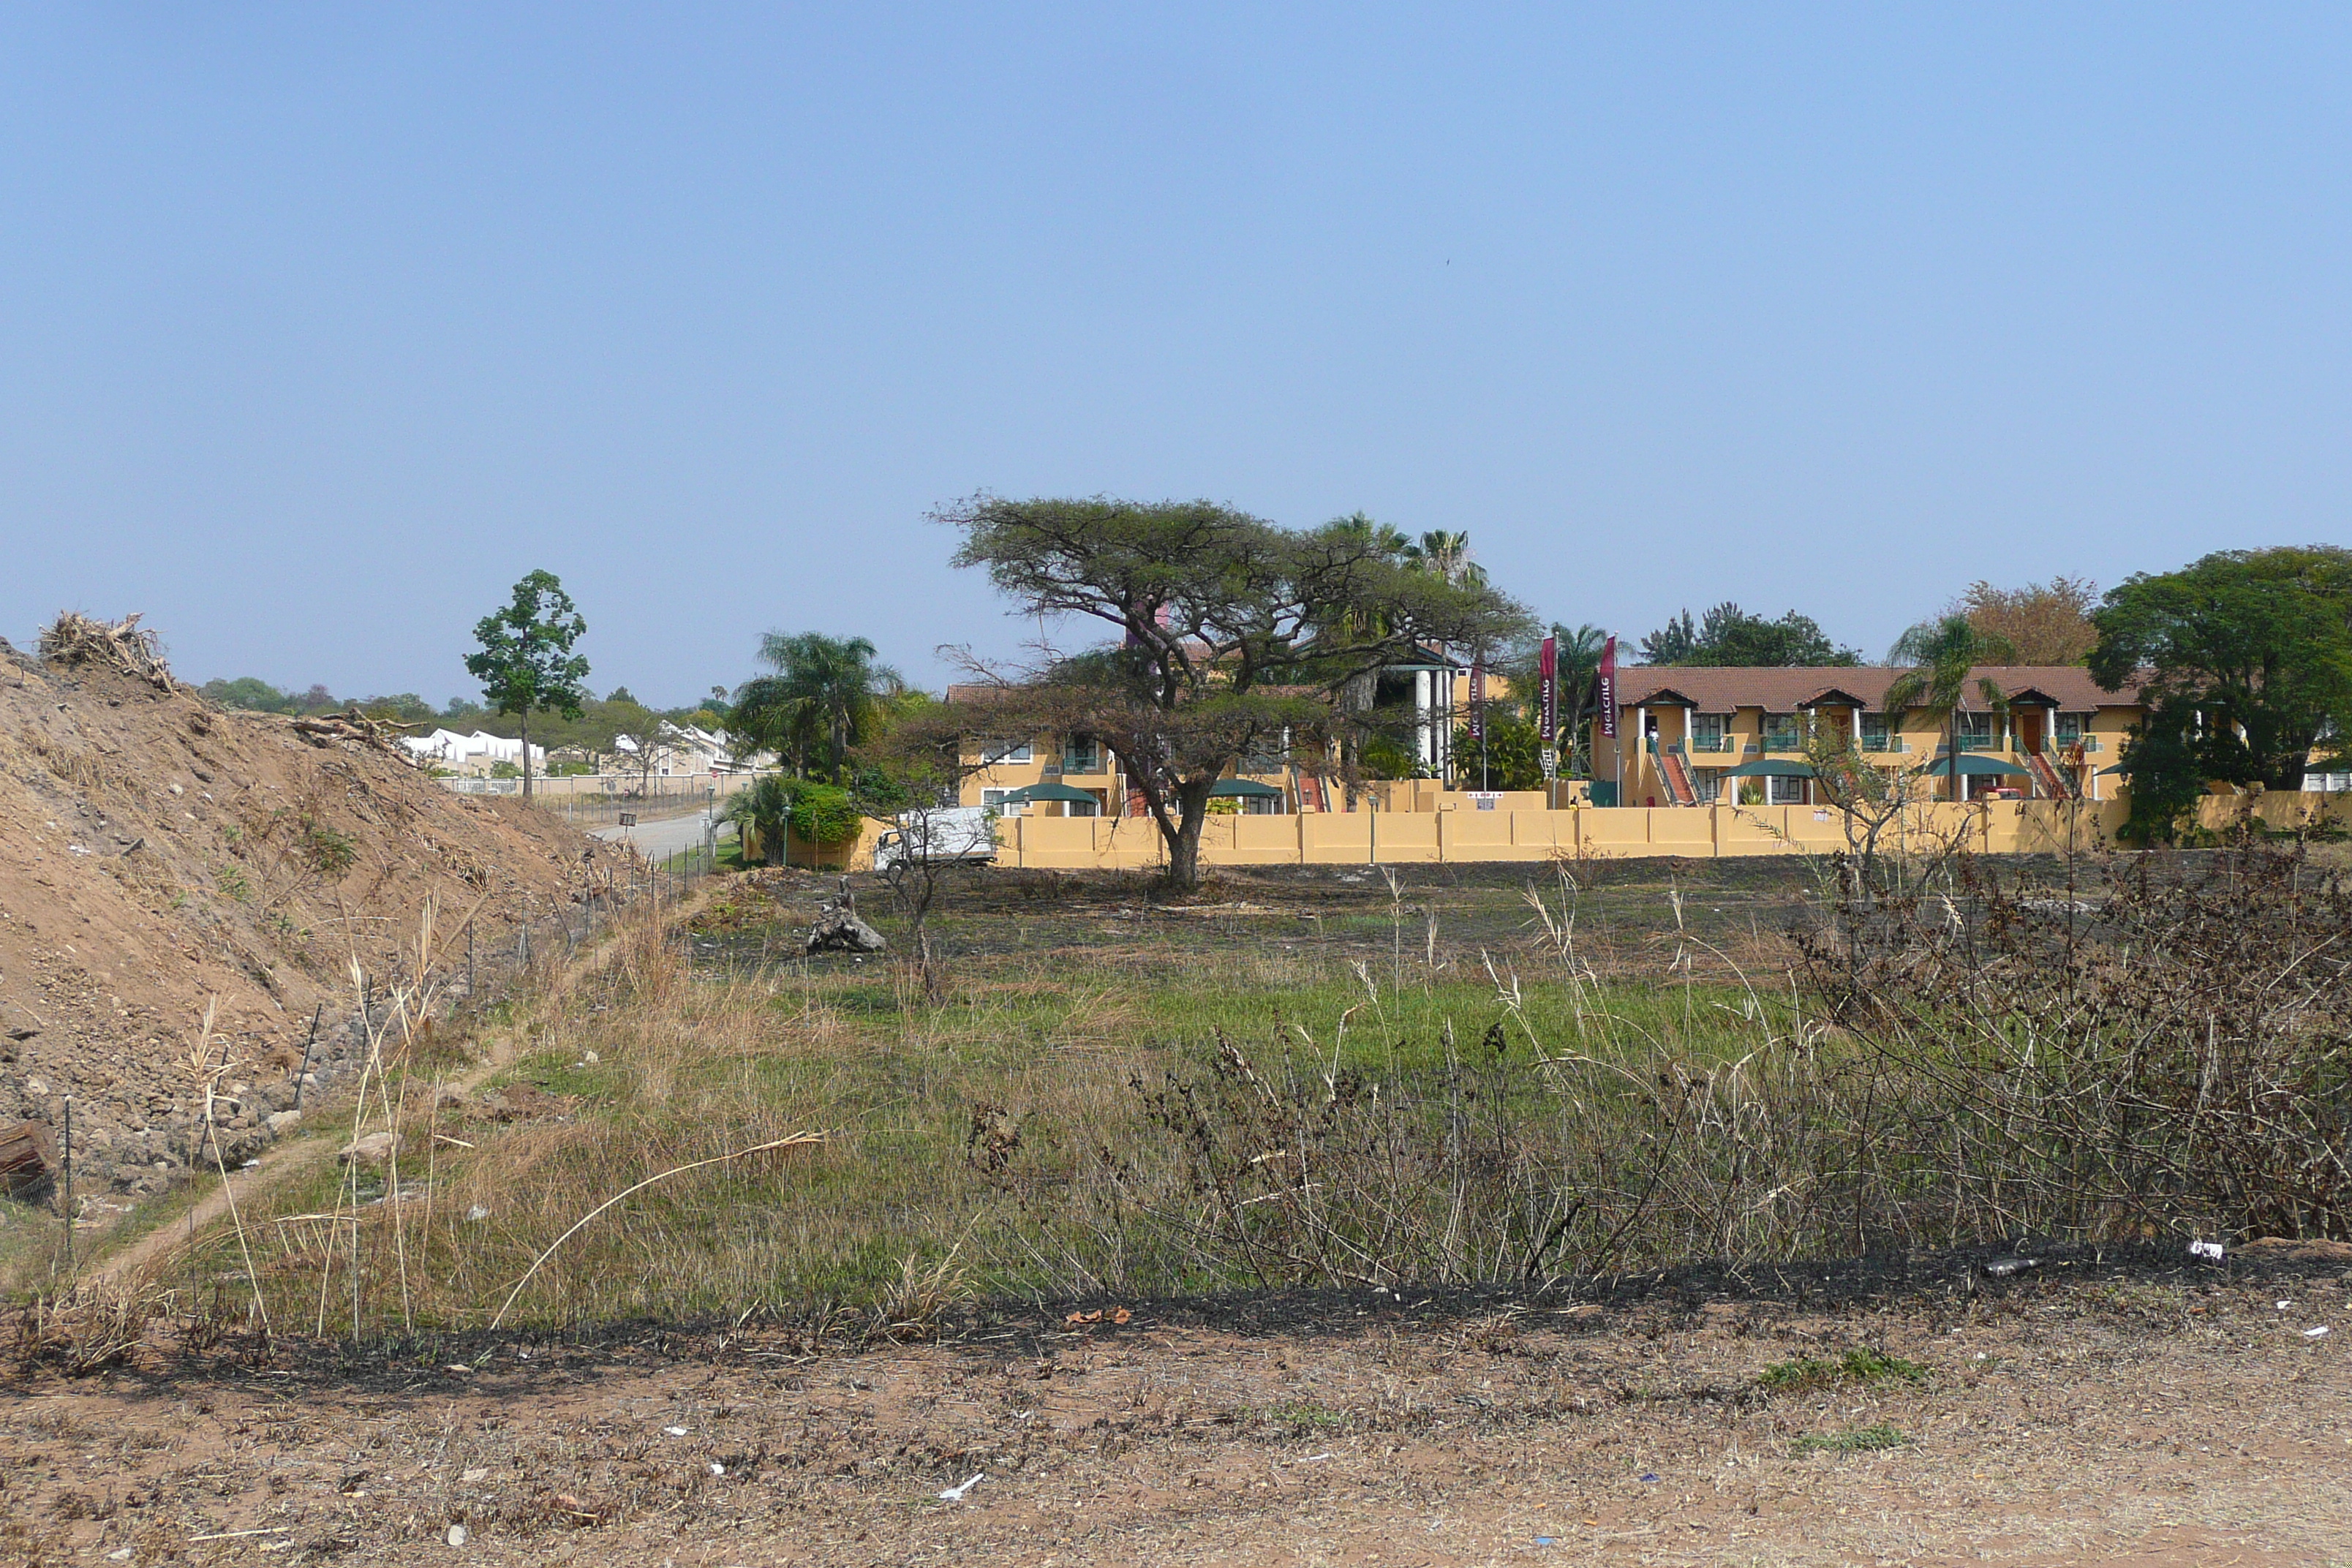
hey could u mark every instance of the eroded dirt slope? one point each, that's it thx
(158, 855)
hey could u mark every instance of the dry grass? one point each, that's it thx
(1223, 1109)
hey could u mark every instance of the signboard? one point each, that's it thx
(628, 819)
(1609, 691)
(1477, 705)
(1487, 800)
(1550, 763)
(1547, 673)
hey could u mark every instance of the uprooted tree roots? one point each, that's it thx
(122, 644)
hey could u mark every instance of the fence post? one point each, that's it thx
(69, 1184)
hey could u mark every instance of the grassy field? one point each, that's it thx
(1465, 1077)
(1061, 1120)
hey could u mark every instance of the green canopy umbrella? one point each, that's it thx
(1764, 767)
(1037, 791)
(2116, 769)
(1246, 787)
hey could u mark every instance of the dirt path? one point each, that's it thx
(2113, 1420)
(153, 1251)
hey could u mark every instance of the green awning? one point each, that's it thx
(2105, 773)
(1249, 788)
(1973, 766)
(1765, 767)
(1037, 791)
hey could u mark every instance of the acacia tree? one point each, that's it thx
(526, 664)
(2244, 665)
(1234, 633)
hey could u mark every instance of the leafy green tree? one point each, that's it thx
(1942, 655)
(248, 693)
(1236, 636)
(822, 697)
(1513, 758)
(1729, 635)
(526, 664)
(2245, 665)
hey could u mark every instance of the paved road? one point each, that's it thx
(660, 840)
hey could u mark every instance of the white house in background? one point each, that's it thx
(678, 749)
(474, 754)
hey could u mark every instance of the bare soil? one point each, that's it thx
(160, 857)
(2110, 1410)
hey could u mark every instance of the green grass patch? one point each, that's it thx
(1862, 1441)
(1860, 1365)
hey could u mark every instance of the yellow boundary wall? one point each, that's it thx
(1402, 837)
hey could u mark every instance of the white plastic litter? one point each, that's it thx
(456, 1536)
(2210, 1251)
(675, 1431)
(2319, 1333)
(2284, 1306)
(955, 1494)
(476, 1215)
(718, 1470)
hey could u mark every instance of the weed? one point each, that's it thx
(1862, 1441)
(1861, 1364)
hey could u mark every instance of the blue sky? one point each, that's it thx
(319, 326)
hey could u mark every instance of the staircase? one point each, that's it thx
(1311, 796)
(1676, 771)
(2054, 783)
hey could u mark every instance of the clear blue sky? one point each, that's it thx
(320, 325)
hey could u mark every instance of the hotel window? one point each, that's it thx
(1975, 729)
(1874, 731)
(1784, 789)
(1780, 732)
(1082, 756)
(994, 752)
(2071, 728)
(994, 800)
(1706, 732)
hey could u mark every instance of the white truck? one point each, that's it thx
(954, 833)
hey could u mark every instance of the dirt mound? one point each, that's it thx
(162, 857)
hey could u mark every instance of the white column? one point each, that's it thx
(1422, 751)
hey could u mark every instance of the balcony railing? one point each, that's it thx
(1716, 743)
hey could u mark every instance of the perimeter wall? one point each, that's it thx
(1463, 835)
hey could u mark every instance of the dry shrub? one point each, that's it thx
(86, 1329)
(2166, 1050)
(2169, 1054)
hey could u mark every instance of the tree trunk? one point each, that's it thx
(1184, 844)
(526, 753)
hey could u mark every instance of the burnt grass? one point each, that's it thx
(1649, 1303)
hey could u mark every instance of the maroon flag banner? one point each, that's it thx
(1547, 670)
(1609, 691)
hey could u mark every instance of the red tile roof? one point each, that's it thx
(1722, 690)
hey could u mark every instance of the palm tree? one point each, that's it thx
(1578, 660)
(1941, 655)
(1446, 555)
(825, 693)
